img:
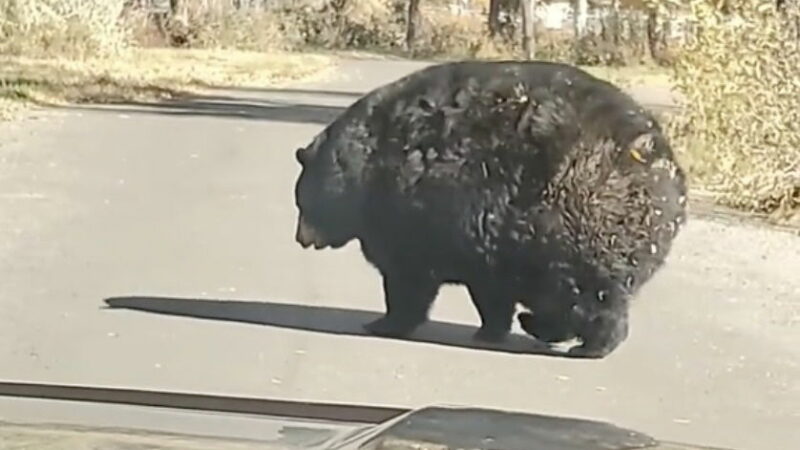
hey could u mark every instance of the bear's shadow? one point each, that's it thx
(322, 319)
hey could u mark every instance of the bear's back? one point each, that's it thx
(541, 145)
(474, 124)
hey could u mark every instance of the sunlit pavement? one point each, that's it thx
(189, 208)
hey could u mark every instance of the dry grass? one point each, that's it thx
(145, 74)
(741, 79)
(56, 51)
(644, 75)
(73, 28)
(445, 35)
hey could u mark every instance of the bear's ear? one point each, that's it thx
(304, 155)
(301, 155)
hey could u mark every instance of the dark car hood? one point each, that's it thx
(82, 418)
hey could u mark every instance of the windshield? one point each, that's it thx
(240, 198)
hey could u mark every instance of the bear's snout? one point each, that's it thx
(307, 236)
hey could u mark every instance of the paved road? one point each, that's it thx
(190, 208)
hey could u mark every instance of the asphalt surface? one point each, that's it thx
(187, 208)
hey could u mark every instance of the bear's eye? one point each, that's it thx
(426, 105)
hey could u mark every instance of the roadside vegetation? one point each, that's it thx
(56, 51)
(740, 78)
(735, 63)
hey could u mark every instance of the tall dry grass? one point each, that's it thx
(54, 51)
(64, 28)
(740, 77)
(217, 25)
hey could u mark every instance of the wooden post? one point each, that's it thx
(494, 17)
(529, 28)
(652, 32)
(412, 20)
(616, 30)
(580, 9)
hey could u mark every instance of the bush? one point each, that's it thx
(740, 77)
(349, 24)
(216, 25)
(595, 50)
(619, 39)
(444, 34)
(229, 28)
(69, 28)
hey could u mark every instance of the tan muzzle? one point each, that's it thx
(307, 236)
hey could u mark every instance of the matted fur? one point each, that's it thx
(528, 182)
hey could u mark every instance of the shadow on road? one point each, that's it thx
(319, 319)
(293, 91)
(229, 107)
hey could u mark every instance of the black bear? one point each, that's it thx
(528, 182)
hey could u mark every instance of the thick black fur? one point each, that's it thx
(527, 182)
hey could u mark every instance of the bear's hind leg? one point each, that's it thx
(495, 305)
(408, 298)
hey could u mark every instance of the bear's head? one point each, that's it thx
(327, 205)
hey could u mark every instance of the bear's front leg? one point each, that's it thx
(408, 295)
(549, 327)
(556, 317)
(495, 306)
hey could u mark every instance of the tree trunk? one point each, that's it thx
(494, 17)
(412, 21)
(652, 33)
(580, 9)
(615, 22)
(529, 28)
